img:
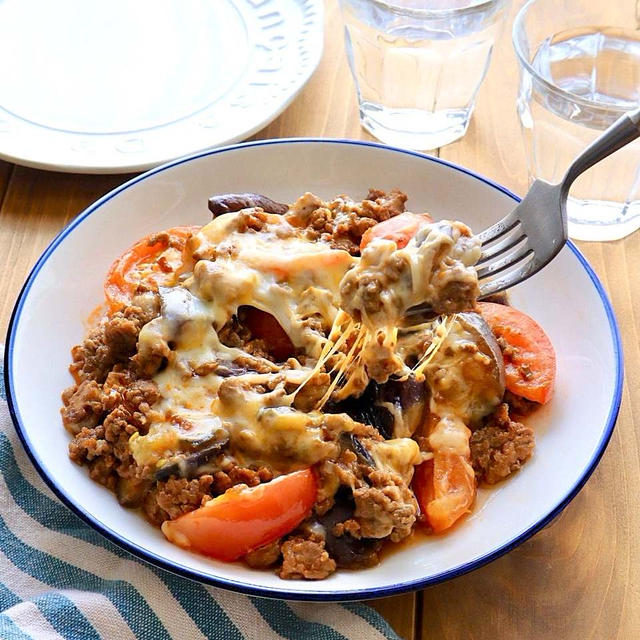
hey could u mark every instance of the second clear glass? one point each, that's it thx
(418, 65)
(579, 72)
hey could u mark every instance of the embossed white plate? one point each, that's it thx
(566, 297)
(117, 86)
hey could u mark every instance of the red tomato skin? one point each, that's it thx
(445, 490)
(400, 229)
(533, 350)
(231, 525)
(118, 289)
(422, 485)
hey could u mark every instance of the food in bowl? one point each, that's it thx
(263, 388)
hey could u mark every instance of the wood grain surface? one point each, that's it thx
(578, 578)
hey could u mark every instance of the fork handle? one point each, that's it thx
(623, 131)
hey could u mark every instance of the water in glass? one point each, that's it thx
(418, 65)
(593, 76)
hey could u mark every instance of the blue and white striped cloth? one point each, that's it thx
(61, 579)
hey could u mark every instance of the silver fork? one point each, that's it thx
(527, 239)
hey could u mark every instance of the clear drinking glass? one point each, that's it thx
(580, 71)
(418, 64)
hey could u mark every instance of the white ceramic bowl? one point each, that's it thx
(566, 298)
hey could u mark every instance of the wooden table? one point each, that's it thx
(578, 578)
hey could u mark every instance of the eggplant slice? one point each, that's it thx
(186, 465)
(408, 399)
(347, 551)
(230, 202)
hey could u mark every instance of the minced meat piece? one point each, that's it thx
(500, 447)
(112, 342)
(138, 398)
(178, 496)
(264, 556)
(519, 406)
(382, 206)
(342, 222)
(301, 214)
(252, 219)
(233, 474)
(83, 406)
(386, 508)
(305, 559)
(104, 448)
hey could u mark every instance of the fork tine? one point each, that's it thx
(525, 254)
(508, 259)
(517, 275)
(507, 263)
(499, 228)
(499, 249)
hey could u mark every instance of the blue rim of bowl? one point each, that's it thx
(292, 594)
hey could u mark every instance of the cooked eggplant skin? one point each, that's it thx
(229, 202)
(473, 386)
(186, 465)
(353, 443)
(347, 551)
(410, 399)
(487, 344)
(408, 396)
(364, 410)
(131, 491)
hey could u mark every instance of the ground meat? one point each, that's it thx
(342, 222)
(500, 447)
(104, 448)
(250, 220)
(264, 556)
(302, 211)
(113, 341)
(456, 296)
(305, 559)
(83, 406)
(177, 496)
(347, 231)
(386, 508)
(171, 498)
(382, 206)
(519, 406)
(348, 469)
(138, 397)
(232, 474)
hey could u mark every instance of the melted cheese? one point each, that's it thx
(295, 280)
(275, 271)
(399, 455)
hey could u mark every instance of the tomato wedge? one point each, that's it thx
(400, 229)
(242, 519)
(530, 360)
(422, 485)
(154, 259)
(445, 489)
(264, 326)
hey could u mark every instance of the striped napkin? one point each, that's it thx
(61, 579)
